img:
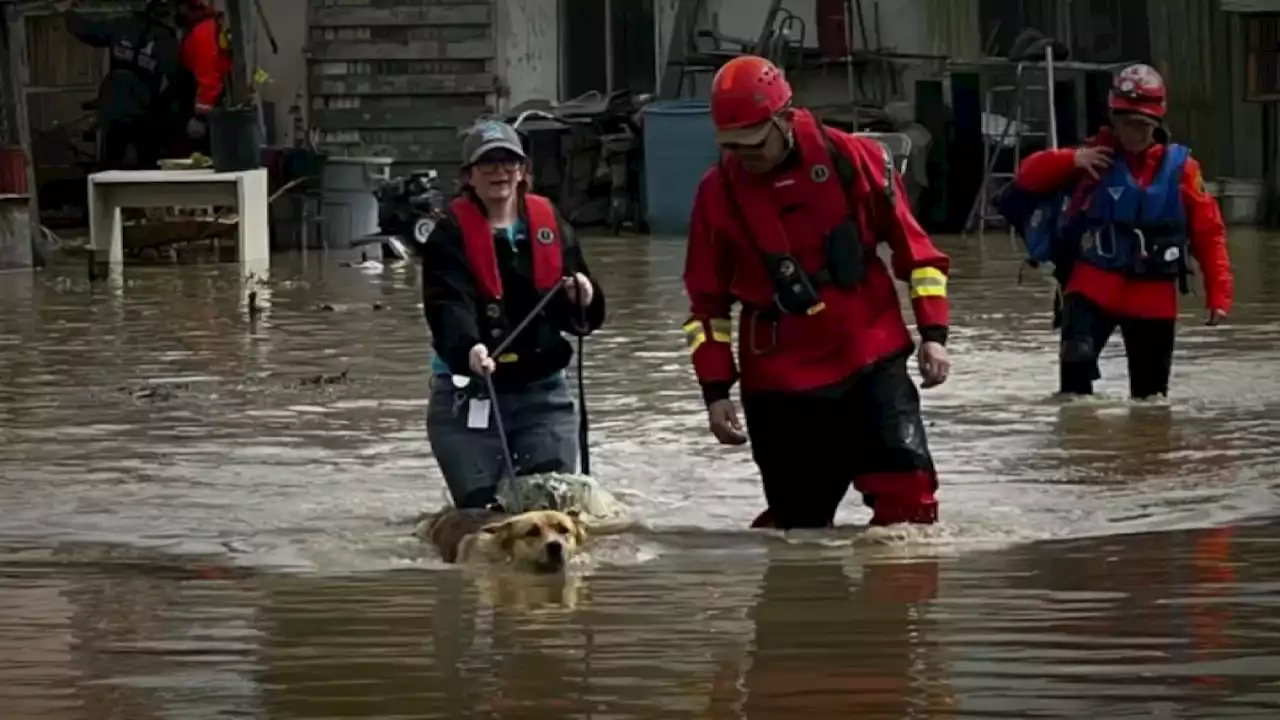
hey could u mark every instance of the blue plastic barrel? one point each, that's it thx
(679, 146)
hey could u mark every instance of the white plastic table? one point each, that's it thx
(112, 190)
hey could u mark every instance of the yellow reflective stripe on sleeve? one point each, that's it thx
(508, 357)
(721, 330)
(928, 282)
(694, 335)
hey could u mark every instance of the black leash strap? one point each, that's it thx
(581, 326)
(524, 323)
(507, 460)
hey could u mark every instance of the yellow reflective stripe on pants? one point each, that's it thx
(928, 282)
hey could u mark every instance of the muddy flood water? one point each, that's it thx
(202, 517)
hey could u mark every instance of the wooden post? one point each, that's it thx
(20, 78)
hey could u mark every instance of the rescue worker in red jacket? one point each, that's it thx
(787, 224)
(1137, 209)
(206, 58)
(497, 252)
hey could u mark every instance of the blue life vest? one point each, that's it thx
(1124, 227)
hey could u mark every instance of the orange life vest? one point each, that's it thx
(545, 248)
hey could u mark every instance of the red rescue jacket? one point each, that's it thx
(1049, 171)
(794, 209)
(546, 254)
(205, 56)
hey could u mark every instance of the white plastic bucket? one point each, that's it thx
(350, 208)
(1240, 200)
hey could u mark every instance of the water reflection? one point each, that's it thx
(1178, 624)
(123, 641)
(1095, 443)
(834, 640)
(1161, 624)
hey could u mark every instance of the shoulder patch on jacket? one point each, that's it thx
(1197, 180)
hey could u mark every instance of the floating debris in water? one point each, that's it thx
(365, 263)
(322, 380)
(154, 392)
(344, 307)
(254, 307)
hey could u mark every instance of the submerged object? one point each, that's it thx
(598, 509)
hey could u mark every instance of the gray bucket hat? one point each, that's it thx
(490, 135)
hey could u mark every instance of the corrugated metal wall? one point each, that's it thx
(8, 121)
(1251, 5)
(400, 79)
(1191, 46)
(63, 73)
(951, 28)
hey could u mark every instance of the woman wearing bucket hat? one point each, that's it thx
(501, 255)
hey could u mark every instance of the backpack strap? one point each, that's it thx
(847, 173)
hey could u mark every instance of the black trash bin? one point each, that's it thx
(235, 139)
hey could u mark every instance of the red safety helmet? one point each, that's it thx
(1138, 89)
(745, 93)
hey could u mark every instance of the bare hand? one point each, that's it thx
(935, 364)
(479, 360)
(1094, 159)
(724, 423)
(579, 289)
(1215, 317)
(195, 128)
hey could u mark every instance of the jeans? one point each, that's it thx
(541, 423)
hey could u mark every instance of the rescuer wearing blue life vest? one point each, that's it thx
(1132, 210)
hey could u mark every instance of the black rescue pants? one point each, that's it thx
(1148, 346)
(811, 446)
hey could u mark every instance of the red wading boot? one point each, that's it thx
(892, 510)
(886, 510)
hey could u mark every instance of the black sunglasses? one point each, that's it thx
(502, 158)
(746, 146)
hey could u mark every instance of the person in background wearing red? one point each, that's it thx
(207, 62)
(788, 224)
(1137, 210)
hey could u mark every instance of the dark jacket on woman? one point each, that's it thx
(451, 302)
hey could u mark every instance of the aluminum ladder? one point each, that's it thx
(1030, 79)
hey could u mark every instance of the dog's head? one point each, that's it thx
(541, 540)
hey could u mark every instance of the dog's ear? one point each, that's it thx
(579, 530)
(503, 532)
